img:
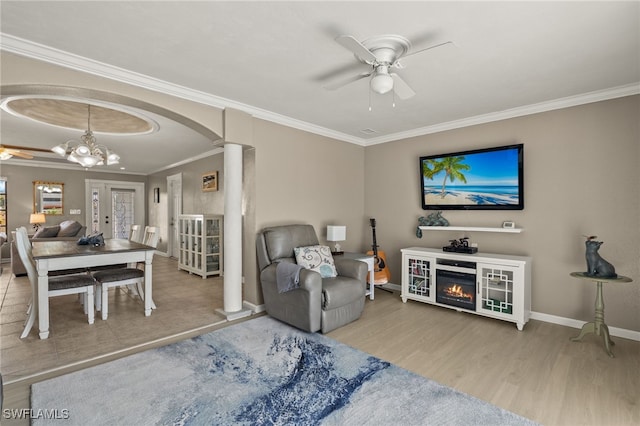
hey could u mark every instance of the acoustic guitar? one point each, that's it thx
(381, 273)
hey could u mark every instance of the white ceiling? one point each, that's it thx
(272, 59)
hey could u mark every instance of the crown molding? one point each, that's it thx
(72, 166)
(215, 151)
(65, 166)
(58, 57)
(569, 101)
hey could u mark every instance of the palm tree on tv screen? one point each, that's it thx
(452, 168)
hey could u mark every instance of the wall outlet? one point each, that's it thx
(75, 211)
(474, 245)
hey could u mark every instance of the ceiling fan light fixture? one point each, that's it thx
(382, 82)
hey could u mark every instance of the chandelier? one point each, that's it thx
(87, 152)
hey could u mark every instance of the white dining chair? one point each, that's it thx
(58, 285)
(51, 273)
(132, 276)
(150, 238)
(135, 233)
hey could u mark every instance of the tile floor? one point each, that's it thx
(184, 302)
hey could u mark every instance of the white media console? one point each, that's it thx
(492, 285)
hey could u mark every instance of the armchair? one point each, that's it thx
(318, 303)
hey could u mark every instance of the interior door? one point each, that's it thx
(174, 185)
(113, 206)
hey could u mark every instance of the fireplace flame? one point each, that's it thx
(457, 291)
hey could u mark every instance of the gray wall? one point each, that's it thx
(581, 178)
(194, 201)
(20, 191)
(306, 178)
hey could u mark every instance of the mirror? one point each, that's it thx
(48, 197)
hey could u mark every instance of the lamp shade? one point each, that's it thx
(37, 218)
(336, 233)
(61, 149)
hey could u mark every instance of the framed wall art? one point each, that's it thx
(210, 181)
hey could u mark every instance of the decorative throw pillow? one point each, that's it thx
(47, 232)
(69, 228)
(316, 258)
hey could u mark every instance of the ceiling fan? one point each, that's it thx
(8, 151)
(381, 53)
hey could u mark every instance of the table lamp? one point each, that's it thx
(336, 233)
(36, 219)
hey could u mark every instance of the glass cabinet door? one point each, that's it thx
(212, 247)
(496, 289)
(419, 277)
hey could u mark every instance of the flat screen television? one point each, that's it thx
(482, 179)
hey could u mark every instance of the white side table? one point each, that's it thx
(369, 260)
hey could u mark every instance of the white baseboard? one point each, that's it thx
(568, 322)
(256, 309)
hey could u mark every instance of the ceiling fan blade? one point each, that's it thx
(427, 48)
(401, 87)
(15, 153)
(24, 148)
(342, 83)
(341, 71)
(20, 154)
(356, 47)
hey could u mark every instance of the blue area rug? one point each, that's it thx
(257, 372)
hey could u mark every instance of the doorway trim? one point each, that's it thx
(139, 200)
(172, 215)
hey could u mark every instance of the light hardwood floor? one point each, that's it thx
(537, 373)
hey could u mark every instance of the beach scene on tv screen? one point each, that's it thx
(485, 178)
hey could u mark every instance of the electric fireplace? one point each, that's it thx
(491, 285)
(456, 286)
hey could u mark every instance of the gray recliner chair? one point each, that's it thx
(319, 303)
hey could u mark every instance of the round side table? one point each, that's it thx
(597, 326)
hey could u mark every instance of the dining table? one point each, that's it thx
(61, 255)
